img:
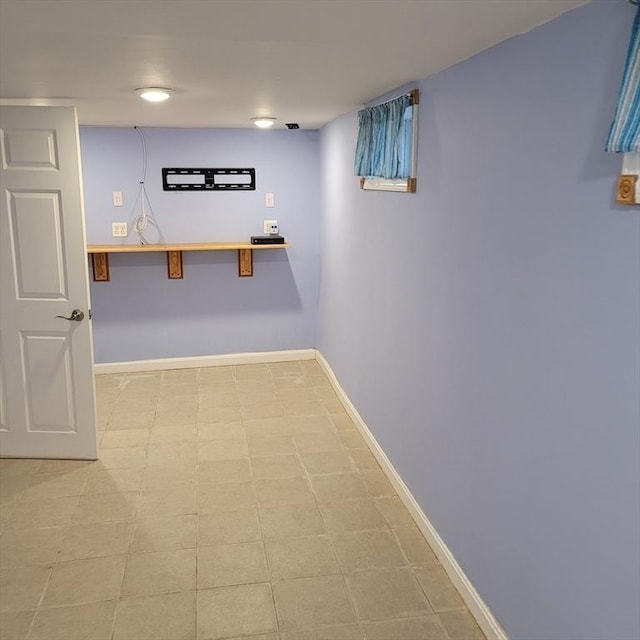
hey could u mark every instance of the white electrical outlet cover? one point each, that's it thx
(119, 229)
(269, 226)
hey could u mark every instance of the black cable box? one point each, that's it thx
(267, 240)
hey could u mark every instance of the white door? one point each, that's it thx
(47, 396)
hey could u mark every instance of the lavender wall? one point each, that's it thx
(141, 314)
(487, 328)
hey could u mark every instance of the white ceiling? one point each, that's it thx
(304, 61)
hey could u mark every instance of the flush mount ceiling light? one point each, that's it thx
(264, 123)
(155, 94)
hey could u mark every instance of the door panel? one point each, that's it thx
(47, 368)
(30, 149)
(38, 259)
(3, 395)
(46, 361)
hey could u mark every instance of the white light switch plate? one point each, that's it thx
(269, 200)
(117, 199)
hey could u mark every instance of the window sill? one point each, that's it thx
(401, 185)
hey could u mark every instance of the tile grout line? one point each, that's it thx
(197, 484)
(354, 609)
(132, 532)
(263, 539)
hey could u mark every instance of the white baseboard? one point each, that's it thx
(479, 610)
(263, 357)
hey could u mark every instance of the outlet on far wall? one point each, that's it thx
(119, 229)
(270, 227)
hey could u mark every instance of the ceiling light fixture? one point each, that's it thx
(264, 123)
(155, 94)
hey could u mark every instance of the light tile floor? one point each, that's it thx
(233, 502)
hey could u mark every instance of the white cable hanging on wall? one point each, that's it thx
(145, 218)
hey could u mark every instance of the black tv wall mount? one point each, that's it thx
(179, 179)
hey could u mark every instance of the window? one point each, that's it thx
(624, 133)
(387, 143)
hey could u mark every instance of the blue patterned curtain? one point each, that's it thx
(624, 135)
(383, 137)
